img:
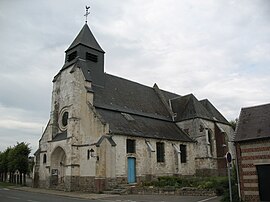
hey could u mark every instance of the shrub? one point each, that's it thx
(219, 184)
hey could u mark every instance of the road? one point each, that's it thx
(12, 195)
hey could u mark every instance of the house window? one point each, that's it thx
(160, 152)
(131, 146)
(44, 158)
(183, 150)
(72, 56)
(91, 57)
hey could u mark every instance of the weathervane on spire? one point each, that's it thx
(86, 13)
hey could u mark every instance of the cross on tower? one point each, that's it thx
(86, 13)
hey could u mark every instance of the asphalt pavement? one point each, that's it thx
(28, 194)
(11, 195)
(161, 198)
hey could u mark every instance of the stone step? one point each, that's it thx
(116, 191)
(126, 185)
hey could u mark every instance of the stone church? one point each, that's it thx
(105, 130)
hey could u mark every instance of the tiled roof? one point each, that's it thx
(153, 119)
(215, 114)
(254, 123)
(188, 107)
(120, 98)
(127, 96)
(142, 126)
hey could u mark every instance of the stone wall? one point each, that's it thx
(146, 160)
(213, 141)
(188, 191)
(198, 129)
(84, 128)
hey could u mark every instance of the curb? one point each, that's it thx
(82, 195)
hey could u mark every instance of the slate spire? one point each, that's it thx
(86, 38)
(86, 49)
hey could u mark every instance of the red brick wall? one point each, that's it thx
(248, 155)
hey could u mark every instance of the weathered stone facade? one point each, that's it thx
(213, 140)
(104, 130)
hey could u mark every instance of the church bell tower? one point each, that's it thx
(86, 50)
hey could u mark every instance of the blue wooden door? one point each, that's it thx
(131, 170)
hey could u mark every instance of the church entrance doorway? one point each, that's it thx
(58, 166)
(131, 170)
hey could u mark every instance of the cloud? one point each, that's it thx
(20, 125)
(214, 49)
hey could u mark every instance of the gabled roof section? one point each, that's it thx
(122, 95)
(254, 123)
(86, 38)
(216, 115)
(188, 107)
(169, 95)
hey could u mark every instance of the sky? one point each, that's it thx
(219, 50)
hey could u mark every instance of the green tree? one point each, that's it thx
(4, 164)
(18, 160)
(1, 167)
(234, 123)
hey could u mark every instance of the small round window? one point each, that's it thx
(65, 119)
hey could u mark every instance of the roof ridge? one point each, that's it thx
(163, 100)
(261, 105)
